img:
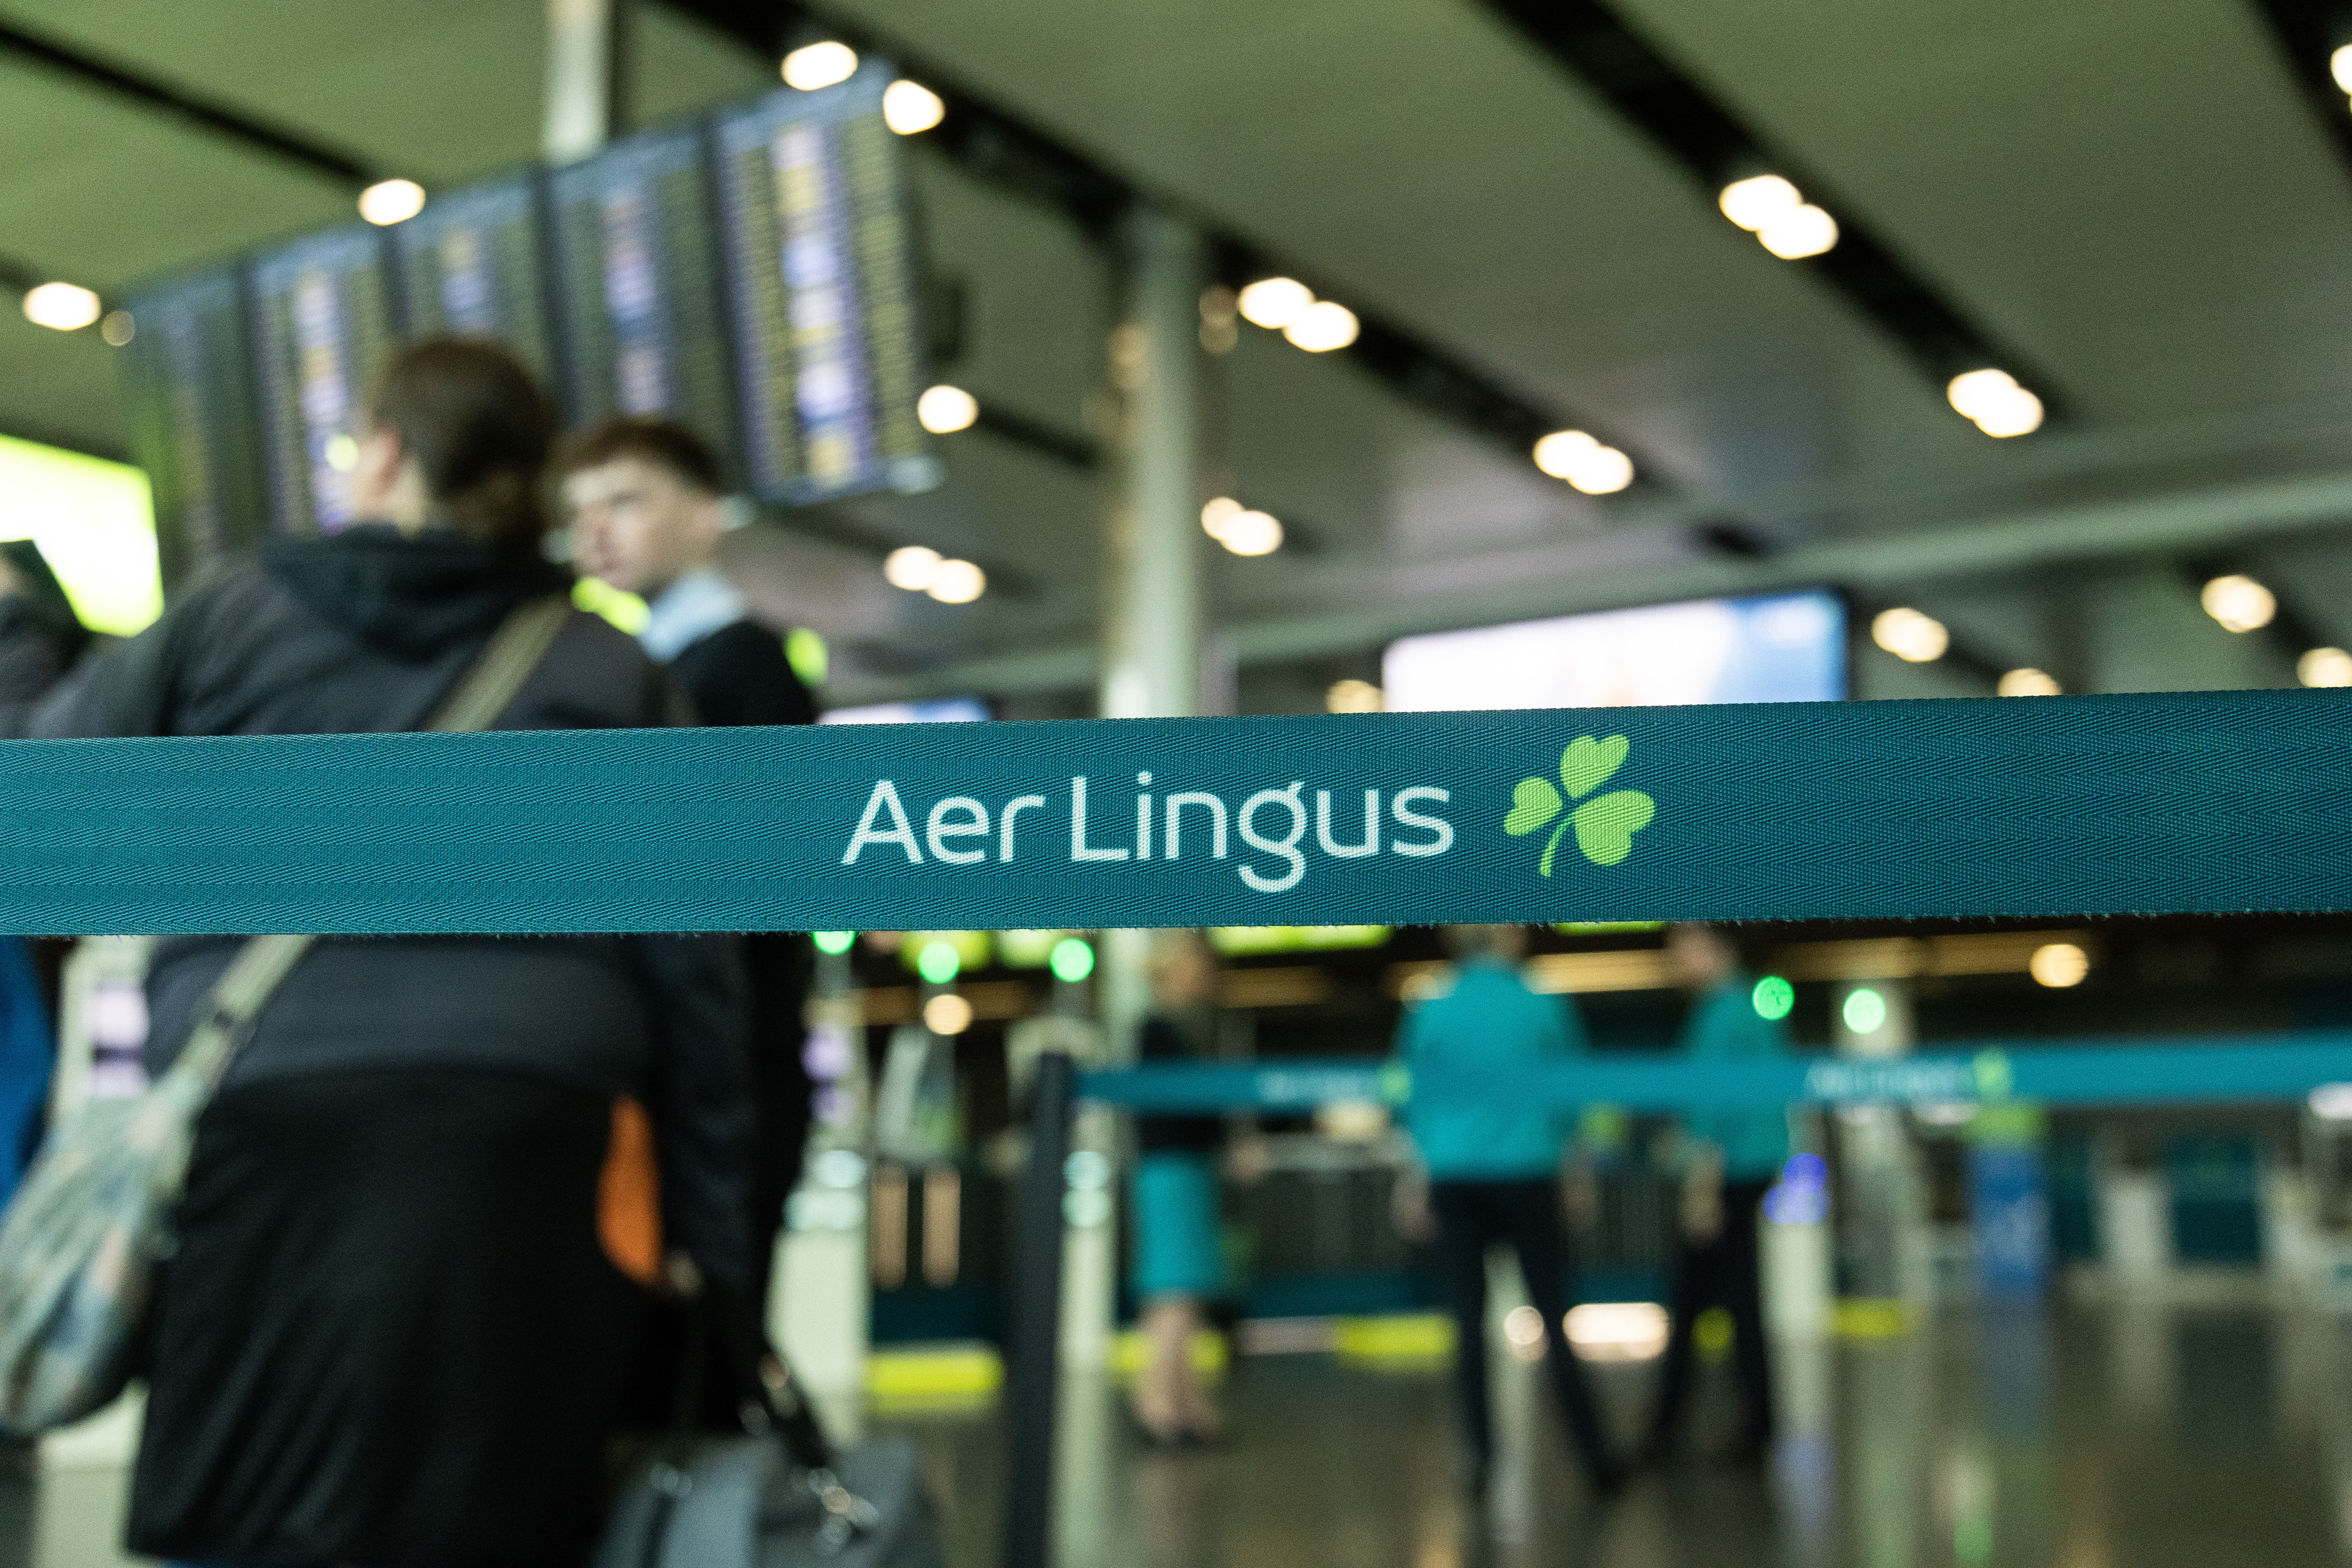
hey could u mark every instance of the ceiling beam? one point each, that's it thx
(1556, 579)
(1678, 115)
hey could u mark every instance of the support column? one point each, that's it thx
(583, 78)
(1151, 630)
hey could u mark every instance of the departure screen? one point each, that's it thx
(325, 333)
(638, 293)
(194, 427)
(812, 209)
(469, 263)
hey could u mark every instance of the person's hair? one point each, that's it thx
(664, 443)
(46, 597)
(480, 430)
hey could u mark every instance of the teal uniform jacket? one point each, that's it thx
(1473, 1045)
(1723, 1026)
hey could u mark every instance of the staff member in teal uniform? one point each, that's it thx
(1730, 1159)
(1491, 1169)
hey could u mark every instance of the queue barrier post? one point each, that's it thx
(1033, 1345)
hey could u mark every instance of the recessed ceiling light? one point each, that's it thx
(910, 109)
(2239, 603)
(61, 307)
(943, 410)
(813, 66)
(388, 202)
(2325, 667)
(1323, 326)
(1754, 201)
(957, 582)
(911, 567)
(1910, 634)
(1583, 460)
(1274, 302)
(1799, 233)
(2028, 682)
(1252, 533)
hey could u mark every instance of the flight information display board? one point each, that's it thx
(814, 235)
(637, 287)
(194, 424)
(325, 329)
(471, 264)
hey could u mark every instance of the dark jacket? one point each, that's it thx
(367, 631)
(739, 675)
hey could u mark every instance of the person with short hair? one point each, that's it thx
(1729, 1159)
(1492, 1162)
(646, 502)
(425, 1211)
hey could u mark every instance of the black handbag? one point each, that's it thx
(780, 1496)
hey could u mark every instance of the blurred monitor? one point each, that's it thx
(937, 711)
(94, 525)
(637, 290)
(815, 244)
(323, 332)
(1773, 647)
(471, 264)
(196, 426)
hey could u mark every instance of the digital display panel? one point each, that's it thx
(816, 238)
(94, 524)
(324, 330)
(471, 264)
(638, 288)
(194, 426)
(1774, 647)
(932, 711)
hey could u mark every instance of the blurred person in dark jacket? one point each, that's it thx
(645, 500)
(422, 1213)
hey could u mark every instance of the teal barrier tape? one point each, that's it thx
(2206, 1070)
(2052, 806)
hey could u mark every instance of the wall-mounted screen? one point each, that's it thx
(325, 327)
(935, 710)
(95, 526)
(637, 287)
(816, 235)
(469, 263)
(1774, 647)
(194, 426)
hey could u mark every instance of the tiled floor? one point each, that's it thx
(2076, 1440)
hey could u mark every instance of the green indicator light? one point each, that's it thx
(1772, 997)
(834, 941)
(938, 963)
(1073, 960)
(1866, 1010)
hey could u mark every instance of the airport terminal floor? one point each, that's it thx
(2082, 1436)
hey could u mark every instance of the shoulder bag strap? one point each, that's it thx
(514, 650)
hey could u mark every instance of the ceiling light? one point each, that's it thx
(2239, 603)
(910, 109)
(1218, 512)
(813, 66)
(2325, 667)
(2339, 66)
(2028, 682)
(1523, 1332)
(1274, 302)
(1798, 233)
(1321, 327)
(947, 1013)
(1616, 1331)
(1584, 462)
(1909, 635)
(392, 201)
(118, 329)
(64, 307)
(1752, 203)
(2332, 1102)
(1995, 402)
(911, 567)
(957, 582)
(2058, 965)
(1352, 696)
(1252, 533)
(944, 410)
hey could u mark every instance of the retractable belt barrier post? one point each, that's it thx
(2238, 801)
(1034, 1345)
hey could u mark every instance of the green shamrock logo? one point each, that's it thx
(1605, 824)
